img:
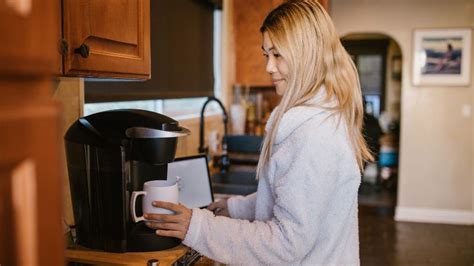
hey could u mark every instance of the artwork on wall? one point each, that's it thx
(442, 57)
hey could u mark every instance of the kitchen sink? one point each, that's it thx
(243, 153)
(234, 182)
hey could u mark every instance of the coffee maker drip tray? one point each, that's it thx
(142, 238)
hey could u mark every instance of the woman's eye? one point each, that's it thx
(276, 55)
(266, 55)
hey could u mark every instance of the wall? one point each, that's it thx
(436, 181)
(189, 145)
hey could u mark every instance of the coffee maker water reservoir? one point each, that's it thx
(109, 155)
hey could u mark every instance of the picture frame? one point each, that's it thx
(442, 57)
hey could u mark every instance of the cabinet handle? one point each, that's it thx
(83, 50)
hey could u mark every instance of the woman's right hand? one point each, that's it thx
(219, 208)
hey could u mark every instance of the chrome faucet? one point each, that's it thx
(225, 163)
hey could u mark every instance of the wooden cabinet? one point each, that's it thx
(250, 63)
(26, 40)
(248, 17)
(107, 38)
(30, 173)
(117, 34)
(17, 198)
(325, 4)
(30, 131)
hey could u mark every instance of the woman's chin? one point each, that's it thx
(280, 90)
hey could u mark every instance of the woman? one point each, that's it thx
(305, 208)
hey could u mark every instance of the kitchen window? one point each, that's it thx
(177, 108)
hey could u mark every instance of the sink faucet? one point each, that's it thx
(224, 157)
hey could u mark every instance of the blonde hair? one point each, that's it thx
(304, 35)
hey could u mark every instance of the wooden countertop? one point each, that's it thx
(97, 257)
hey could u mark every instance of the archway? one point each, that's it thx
(378, 59)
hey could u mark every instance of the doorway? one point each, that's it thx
(378, 60)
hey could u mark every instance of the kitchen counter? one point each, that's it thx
(90, 256)
(173, 256)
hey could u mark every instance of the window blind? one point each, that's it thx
(181, 56)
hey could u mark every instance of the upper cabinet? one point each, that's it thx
(106, 38)
(248, 16)
(27, 38)
(247, 19)
(325, 4)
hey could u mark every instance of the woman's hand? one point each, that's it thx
(219, 208)
(171, 225)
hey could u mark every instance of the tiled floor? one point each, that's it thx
(386, 242)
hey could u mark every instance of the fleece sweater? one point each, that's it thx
(305, 209)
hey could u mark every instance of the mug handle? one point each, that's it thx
(135, 194)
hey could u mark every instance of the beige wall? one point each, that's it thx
(436, 160)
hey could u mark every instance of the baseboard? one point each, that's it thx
(427, 215)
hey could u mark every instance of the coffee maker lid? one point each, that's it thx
(112, 127)
(151, 133)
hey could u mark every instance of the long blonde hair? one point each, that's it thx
(304, 35)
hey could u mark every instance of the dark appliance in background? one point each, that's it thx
(109, 155)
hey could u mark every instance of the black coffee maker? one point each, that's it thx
(110, 155)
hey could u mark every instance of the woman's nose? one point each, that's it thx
(270, 67)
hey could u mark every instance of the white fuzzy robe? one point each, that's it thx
(305, 209)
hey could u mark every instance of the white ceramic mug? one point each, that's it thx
(156, 190)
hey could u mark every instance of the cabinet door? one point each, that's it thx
(107, 38)
(31, 228)
(30, 131)
(18, 243)
(29, 35)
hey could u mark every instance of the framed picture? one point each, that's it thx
(442, 57)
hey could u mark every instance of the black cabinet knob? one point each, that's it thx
(83, 50)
